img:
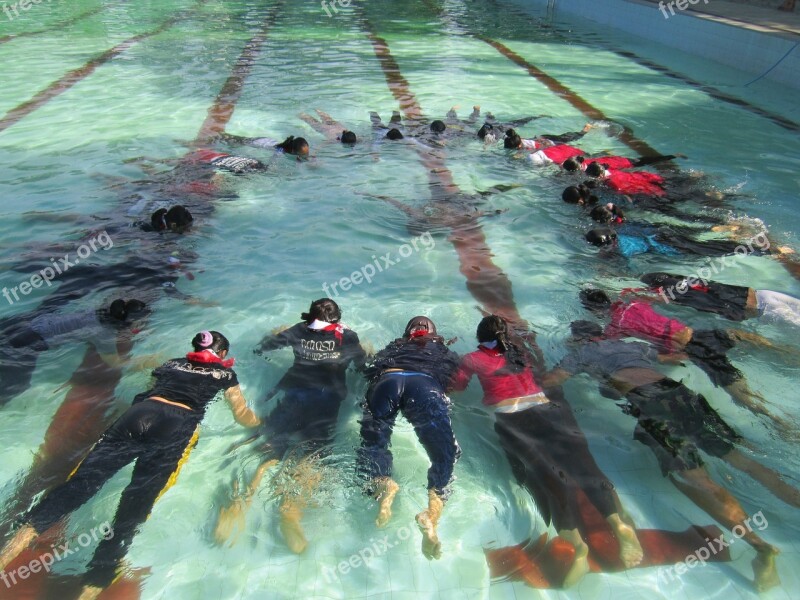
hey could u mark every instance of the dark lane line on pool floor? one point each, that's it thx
(68, 80)
(87, 408)
(55, 26)
(487, 282)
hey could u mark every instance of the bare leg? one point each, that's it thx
(630, 550)
(427, 521)
(752, 401)
(581, 564)
(21, 540)
(722, 506)
(90, 592)
(230, 525)
(765, 476)
(387, 489)
(307, 477)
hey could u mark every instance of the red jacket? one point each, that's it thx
(638, 319)
(485, 362)
(612, 162)
(635, 182)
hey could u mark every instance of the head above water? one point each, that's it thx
(211, 340)
(575, 194)
(438, 126)
(595, 169)
(296, 146)
(573, 164)
(601, 236)
(594, 300)
(486, 129)
(178, 218)
(419, 327)
(323, 309)
(348, 137)
(495, 329)
(394, 134)
(512, 140)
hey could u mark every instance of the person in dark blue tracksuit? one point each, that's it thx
(410, 377)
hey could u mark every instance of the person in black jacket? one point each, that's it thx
(301, 426)
(410, 376)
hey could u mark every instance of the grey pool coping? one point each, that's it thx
(745, 15)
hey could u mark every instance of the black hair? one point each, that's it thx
(119, 310)
(595, 169)
(590, 184)
(438, 126)
(394, 134)
(420, 324)
(585, 330)
(348, 137)
(661, 279)
(601, 236)
(494, 328)
(210, 340)
(572, 194)
(573, 164)
(594, 300)
(293, 145)
(323, 309)
(485, 128)
(601, 214)
(158, 220)
(591, 200)
(512, 140)
(178, 218)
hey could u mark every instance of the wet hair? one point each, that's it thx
(348, 137)
(120, 310)
(585, 330)
(394, 134)
(590, 184)
(512, 140)
(601, 214)
(438, 126)
(178, 218)
(293, 145)
(601, 236)
(660, 279)
(573, 164)
(494, 328)
(485, 129)
(595, 169)
(158, 220)
(210, 340)
(323, 309)
(417, 324)
(594, 300)
(575, 194)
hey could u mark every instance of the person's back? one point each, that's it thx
(426, 355)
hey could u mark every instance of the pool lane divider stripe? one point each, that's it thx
(71, 78)
(485, 280)
(89, 400)
(55, 26)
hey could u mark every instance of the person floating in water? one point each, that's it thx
(734, 302)
(157, 432)
(29, 335)
(676, 424)
(409, 377)
(300, 428)
(706, 348)
(543, 440)
(330, 128)
(581, 163)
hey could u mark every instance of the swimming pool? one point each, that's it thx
(132, 80)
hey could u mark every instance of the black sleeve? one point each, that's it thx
(651, 160)
(283, 339)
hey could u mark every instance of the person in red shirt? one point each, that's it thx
(543, 439)
(580, 163)
(627, 182)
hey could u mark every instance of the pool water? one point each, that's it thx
(266, 249)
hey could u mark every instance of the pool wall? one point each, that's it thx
(771, 54)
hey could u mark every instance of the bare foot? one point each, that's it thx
(21, 540)
(630, 550)
(580, 566)
(431, 546)
(764, 570)
(785, 250)
(90, 592)
(386, 492)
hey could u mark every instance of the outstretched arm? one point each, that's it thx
(243, 414)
